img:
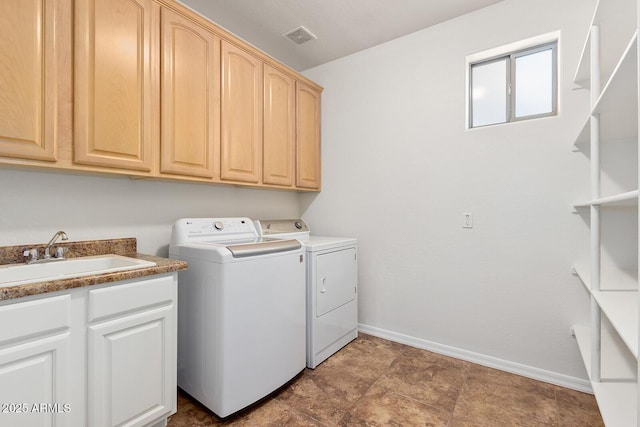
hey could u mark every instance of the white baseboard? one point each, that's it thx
(481, 359)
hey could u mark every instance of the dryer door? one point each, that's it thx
(336, 279)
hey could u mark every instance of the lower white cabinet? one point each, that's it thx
(35, 342)
(132, 356)
(37, 370)
(96, 356)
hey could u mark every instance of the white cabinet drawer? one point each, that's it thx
(115, 300)
(35, 317)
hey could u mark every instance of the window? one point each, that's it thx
(513, 86)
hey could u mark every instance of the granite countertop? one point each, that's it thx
(125, 247)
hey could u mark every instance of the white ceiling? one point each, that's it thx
(342, 26)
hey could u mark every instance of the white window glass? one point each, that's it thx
(534, 84)
(514, 86)
(489, 93)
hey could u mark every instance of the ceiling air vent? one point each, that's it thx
(299, 35)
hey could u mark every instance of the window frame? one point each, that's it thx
(510, 53)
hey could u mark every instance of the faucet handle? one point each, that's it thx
(59, 252)
(30, 255)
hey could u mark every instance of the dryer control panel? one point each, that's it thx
(281, 226)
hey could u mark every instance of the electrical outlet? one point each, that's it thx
(467, 220)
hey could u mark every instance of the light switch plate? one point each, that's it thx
(467, 220)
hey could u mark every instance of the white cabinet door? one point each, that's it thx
(32, 383)
(132, 368)
(35, 379)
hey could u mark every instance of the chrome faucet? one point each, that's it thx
(60, 234)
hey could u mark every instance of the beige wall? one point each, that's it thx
(400, 169)
(34, 205)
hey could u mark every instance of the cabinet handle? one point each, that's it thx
(323, 290)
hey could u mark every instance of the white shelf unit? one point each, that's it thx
(609, 136)
(616, 21)
(626, 199)
(617, 104)
(619, 302)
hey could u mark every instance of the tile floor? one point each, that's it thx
(375, 382)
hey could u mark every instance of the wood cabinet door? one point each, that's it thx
(278, 128)
(241, 142)
(190, 140)
(31, 48)
(132, 368)
(308, 137)
(116, 83)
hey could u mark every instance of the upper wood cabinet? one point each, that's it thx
(308, 137)
(278, 164)
(149, 88)
(32, 50)
(116, 83)
(241, 141)
(190, 91)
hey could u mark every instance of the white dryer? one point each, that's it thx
(332, 286)
(241, 312)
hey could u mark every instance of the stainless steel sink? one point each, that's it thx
(20, 274)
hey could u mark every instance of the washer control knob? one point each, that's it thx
(298, 225)
(218, 225)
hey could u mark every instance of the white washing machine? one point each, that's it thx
(332, 286)
(241, 312)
